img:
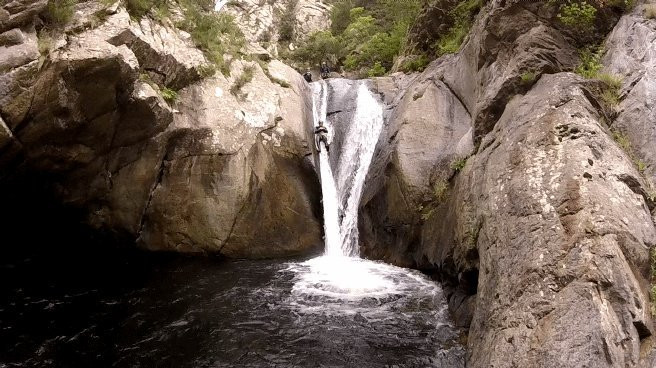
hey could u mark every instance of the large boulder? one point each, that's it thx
(17, 13)
(237, 180)
(464, 95)
(427, 130)
(220, 169)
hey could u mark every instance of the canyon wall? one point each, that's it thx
(527, 189)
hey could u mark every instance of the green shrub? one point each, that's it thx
(463, 15)
(340, 16)
(623, 141)
(59, 12)
(458, 164)
(641, 165)
(169, 95)
(590, 62)
(578, 15)
(362, 37)
(288, 21)
(245, 78)
(441, 190)
(377, 70)
(415, 64)
(612, 86)
(622, 4)
(528, 77)
(215, 34)
(139, 8)
(321, 45)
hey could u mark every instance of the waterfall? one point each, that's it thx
(342, 194)
(332, 239)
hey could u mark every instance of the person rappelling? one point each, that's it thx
(321, 135)
(325, 70)
(308, 76)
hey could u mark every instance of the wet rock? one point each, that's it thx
(408, 165)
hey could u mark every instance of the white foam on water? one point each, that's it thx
(349, 285)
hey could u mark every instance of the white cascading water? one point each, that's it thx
(339, 282)
(357, 153)
(333, 245)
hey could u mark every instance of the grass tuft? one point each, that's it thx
(458, 164)
(441, 190)
(528, 77)
(169, 95)
(245, 78)
(60, 12)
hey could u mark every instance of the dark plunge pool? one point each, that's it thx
(149, 310)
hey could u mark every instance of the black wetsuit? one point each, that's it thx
(321, 133)
(325, 71)
(308, 77)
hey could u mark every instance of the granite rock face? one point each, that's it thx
(551, 215)
(631, 55)
(515, 193)
(262, 21)
(219, 169)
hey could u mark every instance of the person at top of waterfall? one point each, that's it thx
(321, 135)
(308, 76)
(325, 70)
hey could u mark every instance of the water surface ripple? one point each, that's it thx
(179, 312)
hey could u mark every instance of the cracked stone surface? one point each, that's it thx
(560, 241)
(212, 171)
(543, 238)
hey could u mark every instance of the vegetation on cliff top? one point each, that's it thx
(365, 36)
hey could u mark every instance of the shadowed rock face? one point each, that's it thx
(210, 172)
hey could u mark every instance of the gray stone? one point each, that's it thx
(18, 13)
(631, 55)
(546, 212)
